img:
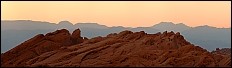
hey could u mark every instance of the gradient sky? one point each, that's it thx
(121, 13)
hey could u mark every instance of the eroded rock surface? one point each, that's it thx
(124, 49)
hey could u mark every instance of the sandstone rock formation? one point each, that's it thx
(37, 46)
(124, 49)
(224, 51)
(76, 37)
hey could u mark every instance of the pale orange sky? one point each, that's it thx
(121, 13)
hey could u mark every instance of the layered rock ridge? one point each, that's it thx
(124, 49)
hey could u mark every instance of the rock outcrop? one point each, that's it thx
(124, 49)
(76, 37)
(224, 52)
(37, 46)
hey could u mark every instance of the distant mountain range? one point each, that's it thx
(16, 31)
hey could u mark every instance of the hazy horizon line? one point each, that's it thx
(116, 25)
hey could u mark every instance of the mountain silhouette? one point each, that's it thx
(91, 25)
(65, 24)
(169, 26)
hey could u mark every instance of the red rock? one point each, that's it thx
(178, 33)
(125, 49)
(76, 33)
(21, 53)
(60, 36)
(217, 49)
(224, 51)
(124, 33)
(76, 37)
(85, 38)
